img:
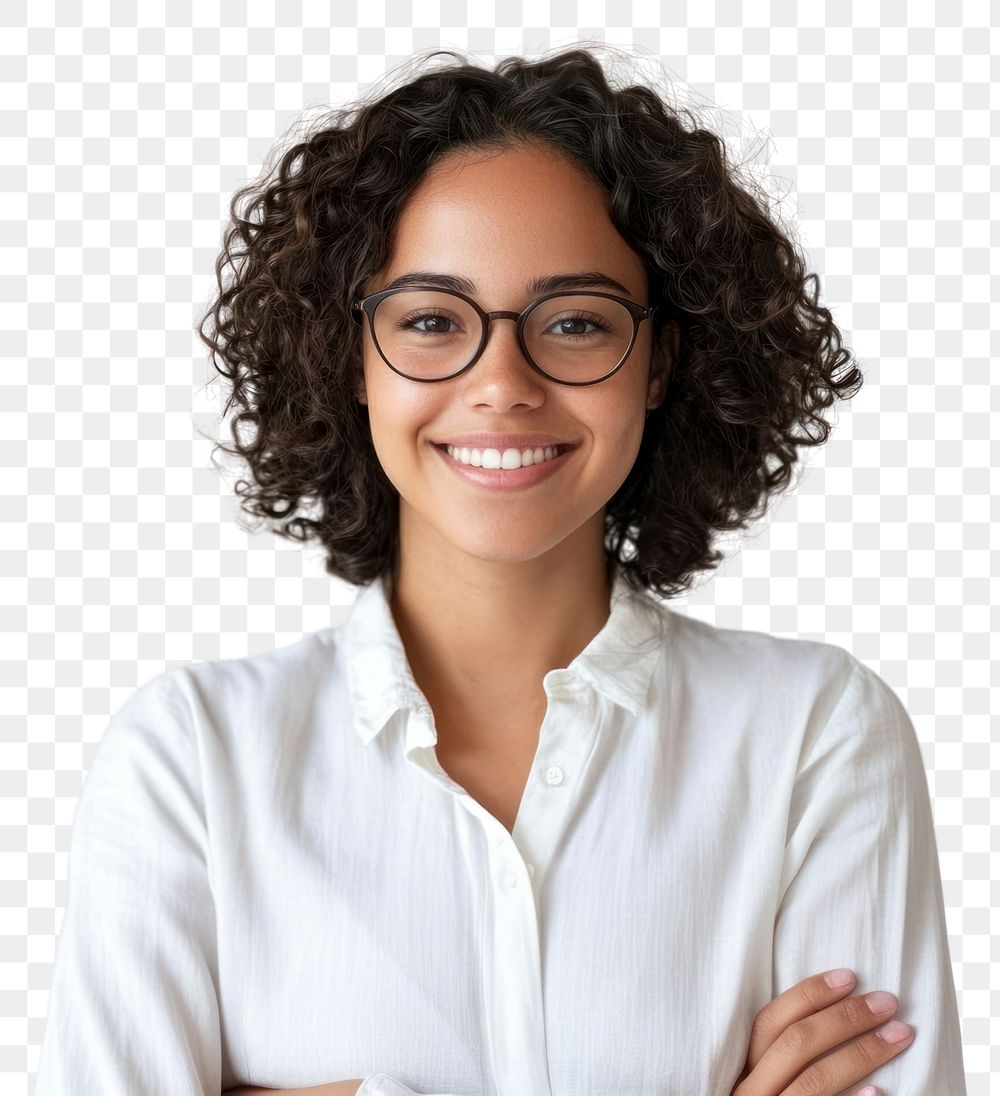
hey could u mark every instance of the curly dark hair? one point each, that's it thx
(759, 359)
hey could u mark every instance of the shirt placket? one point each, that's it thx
(516, 869)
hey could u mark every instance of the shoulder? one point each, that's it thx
(263, 680)
(804, 693)
(756, 664)
(235, 695)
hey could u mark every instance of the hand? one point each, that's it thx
(792, 1034)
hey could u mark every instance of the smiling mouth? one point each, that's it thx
(510, 459)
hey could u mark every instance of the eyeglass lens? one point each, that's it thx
(430, 334)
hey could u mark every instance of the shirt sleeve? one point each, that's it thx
(861, 883)
(133, 1005)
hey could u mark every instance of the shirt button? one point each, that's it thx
(509, 880)
(553, 775)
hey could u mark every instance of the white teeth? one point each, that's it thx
(508, 459)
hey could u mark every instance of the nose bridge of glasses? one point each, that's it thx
(501, 314)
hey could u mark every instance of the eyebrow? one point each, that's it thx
(548, 283)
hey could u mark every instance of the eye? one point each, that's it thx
(410, 321)
(581, 318)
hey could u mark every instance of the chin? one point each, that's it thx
(509, 555)
(496, 546)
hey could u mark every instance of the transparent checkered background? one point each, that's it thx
(121, 145)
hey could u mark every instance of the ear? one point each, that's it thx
(665, 354)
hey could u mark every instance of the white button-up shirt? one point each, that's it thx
(272, 881)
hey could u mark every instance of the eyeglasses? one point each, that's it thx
(429, 334)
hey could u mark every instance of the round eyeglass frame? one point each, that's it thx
(367, 306)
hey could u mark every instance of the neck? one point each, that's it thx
(481, 634)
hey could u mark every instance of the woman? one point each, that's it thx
(515, 826)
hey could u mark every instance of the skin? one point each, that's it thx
(477, 565)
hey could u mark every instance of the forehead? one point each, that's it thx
(504, 218)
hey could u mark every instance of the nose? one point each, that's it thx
(502, 376)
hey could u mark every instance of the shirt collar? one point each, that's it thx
(618, 662)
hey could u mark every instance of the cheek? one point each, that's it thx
(619, 416)
(399, 415)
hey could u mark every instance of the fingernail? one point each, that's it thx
(880, 1001)
(869, 1091)
(895, 1031)
(837, 978)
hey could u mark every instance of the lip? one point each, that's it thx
(506, 479)
(503, 441)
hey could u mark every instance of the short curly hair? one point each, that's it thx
(759, 359)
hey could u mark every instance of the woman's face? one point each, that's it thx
(502, 220)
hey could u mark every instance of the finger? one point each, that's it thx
(798, 1057)
(803, 999)
(853, 1062)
